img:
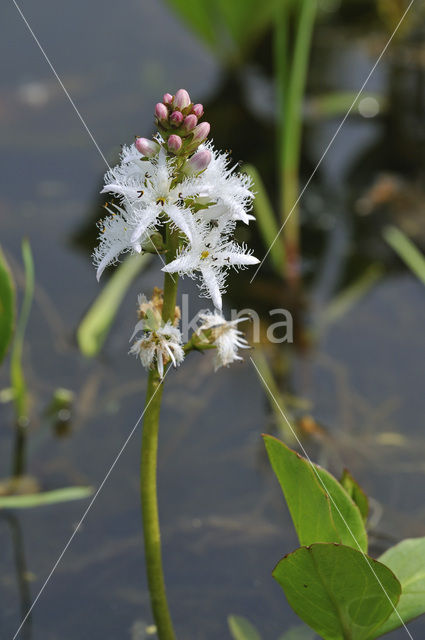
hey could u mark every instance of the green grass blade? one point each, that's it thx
(16, 371)
(266, 220)
(406, 250)
(97, 322)
(27, 501)
(344, 301)
(7, 306)
(241, 629)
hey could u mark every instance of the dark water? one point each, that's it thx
(224, 521)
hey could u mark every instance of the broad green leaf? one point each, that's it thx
(407, 561)
(95, 325)
(355, 491)
(406, 251)
(338, 591)
(7, 306)
(16, 371)
(266, 220)
(321, 509)
(242, 629)
(27, 501)
(300, 632)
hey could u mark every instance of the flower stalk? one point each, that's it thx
(178, 196)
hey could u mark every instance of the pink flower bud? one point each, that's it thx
(201, 132)
(199, 161)
(181, 100)
(190, 122)
(174, 143)
(147, 147)
(161, 112)
(176, 118)
(167, 98)
(198, 110)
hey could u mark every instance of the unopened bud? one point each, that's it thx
(181, 100)
(198, 110)
(161, 112)
(174, 143)
(190, 122)
(167, 98)
(200, 132)
(199, 161)
(176, 118)
(147, 147)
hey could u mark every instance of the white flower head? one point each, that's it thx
(158, 346)
(228, 192)
(204, 206)
(225, 335)
(210, 254)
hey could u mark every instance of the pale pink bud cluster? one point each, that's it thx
(178, 122)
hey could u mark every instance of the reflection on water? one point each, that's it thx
(224, 521)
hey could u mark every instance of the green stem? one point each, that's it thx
(148, 469)
(16, 370)
(290, 140)
(20, 450)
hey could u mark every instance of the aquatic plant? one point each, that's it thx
(330, 581)
(14, 336)
(177, 196)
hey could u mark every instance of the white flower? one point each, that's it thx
(211, 253)
(204, 206)
(116, 235)
(229, 192)
(158, 346)
(226, 336)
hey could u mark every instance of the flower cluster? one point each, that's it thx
(180, 181)
(186, 184)
(160, 342)
(224, 335)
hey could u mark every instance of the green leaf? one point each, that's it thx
(96, 324)
(321, 510)
(230, 29)
(338, 591)
(27, 501)
(406, 250)
(407, 561)
(355, 491)
(198, 15)
(300, 632)
(16, 371)
(242, 629)
(266, 220)
(7, 306)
